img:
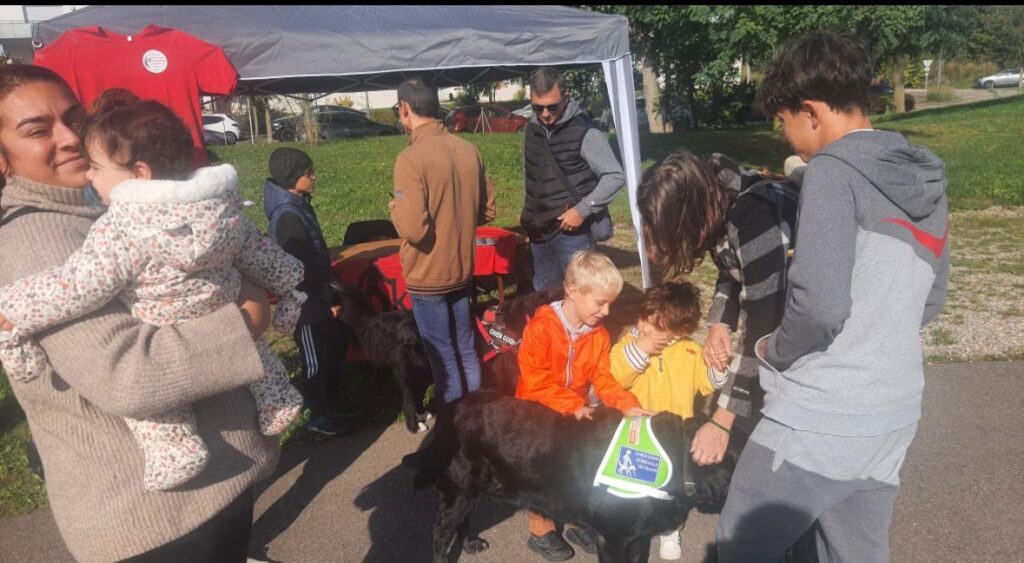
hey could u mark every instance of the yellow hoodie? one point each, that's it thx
(666, 382)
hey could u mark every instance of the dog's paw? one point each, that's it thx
(427, 417)
(475, 545)
(421, 427)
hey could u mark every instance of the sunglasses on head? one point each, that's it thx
(539, 109)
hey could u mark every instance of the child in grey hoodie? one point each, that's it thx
(843, 373)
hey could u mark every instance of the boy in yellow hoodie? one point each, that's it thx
(661, 366)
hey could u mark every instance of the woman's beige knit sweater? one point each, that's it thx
(109, 365)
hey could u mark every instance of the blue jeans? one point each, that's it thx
(551, 258)
(446, 325)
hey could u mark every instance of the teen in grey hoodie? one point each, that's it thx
(843, 373)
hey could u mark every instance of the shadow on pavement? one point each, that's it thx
(401, 526)
(324, 460)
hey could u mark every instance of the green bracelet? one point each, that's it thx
(720, 427)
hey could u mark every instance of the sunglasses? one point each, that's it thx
(552, 108)
(394, 109)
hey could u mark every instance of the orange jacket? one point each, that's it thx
(548, 377)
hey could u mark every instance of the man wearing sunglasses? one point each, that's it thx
(570, 175)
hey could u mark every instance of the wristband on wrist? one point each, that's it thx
(719, 426)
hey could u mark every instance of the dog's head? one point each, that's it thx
(355, 304)
(710, 483)
(518, 311)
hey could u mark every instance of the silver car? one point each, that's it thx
(1004, 78)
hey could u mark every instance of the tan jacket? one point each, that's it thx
(107, 365)
(442, 194)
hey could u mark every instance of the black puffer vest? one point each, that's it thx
(546, 195)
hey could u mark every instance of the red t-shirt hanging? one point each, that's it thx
(158, 63)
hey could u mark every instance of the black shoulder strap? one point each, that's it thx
(8, 217)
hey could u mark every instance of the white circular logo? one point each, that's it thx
(154, 61)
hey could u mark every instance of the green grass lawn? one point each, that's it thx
(980, 144)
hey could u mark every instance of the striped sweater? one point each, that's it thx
(751, 288)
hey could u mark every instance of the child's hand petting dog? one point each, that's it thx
(5, 325)
(637, 411)
(584, 412)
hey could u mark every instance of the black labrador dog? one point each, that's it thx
(526, 454)
(391, 341)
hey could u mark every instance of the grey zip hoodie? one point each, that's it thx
(869, 271)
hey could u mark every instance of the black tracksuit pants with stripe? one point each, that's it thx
(322, 349)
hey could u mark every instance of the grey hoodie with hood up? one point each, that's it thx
(869, 271)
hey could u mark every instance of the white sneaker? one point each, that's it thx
(670, 548)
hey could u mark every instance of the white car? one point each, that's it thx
(525, 111)
(223, 124)
(1006, 77)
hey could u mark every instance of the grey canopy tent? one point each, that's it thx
(292, 49)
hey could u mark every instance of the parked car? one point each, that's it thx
(332, 108)
(344, 125)
(880, 96)
(495, 119)
(223, 124)
(1003, 78)
(211, 137)
(525, 111)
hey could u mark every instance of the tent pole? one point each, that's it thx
(618, 76)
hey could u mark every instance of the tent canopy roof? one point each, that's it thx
(292, 49)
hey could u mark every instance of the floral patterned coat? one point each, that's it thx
(172, 250)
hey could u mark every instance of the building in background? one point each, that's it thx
(16, 28)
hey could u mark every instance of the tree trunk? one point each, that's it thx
(307, 118)
(268, 120)
(658, 120)
(899, 95)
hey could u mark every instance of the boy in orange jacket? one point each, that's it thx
(565, 350)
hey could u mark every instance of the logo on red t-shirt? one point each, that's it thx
(154, 61)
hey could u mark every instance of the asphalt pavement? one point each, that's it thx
(348, 499)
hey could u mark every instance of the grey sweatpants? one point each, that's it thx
(787, 478)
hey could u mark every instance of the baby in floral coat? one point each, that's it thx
(173, 246)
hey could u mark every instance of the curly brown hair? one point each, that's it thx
(684, 207)
(131, 130)
(673, 307)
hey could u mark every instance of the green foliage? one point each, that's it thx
(998, 35)
(962, 74)
(586, 86)
(913, 75)
(940, 94)
(20, 490)
(520, 95)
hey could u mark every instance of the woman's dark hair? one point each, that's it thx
(828, 67)
(674, 307)
(684, 208)
(131, 130)
(421, 97)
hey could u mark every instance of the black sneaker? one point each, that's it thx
(582, 537)
(328, 426)
(550, 546)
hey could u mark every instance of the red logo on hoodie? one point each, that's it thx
(927, 240)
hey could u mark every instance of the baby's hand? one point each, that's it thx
(637, 411)
(5, 325)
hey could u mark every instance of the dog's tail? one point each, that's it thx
(437, 456)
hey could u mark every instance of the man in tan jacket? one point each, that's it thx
(441, 195)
